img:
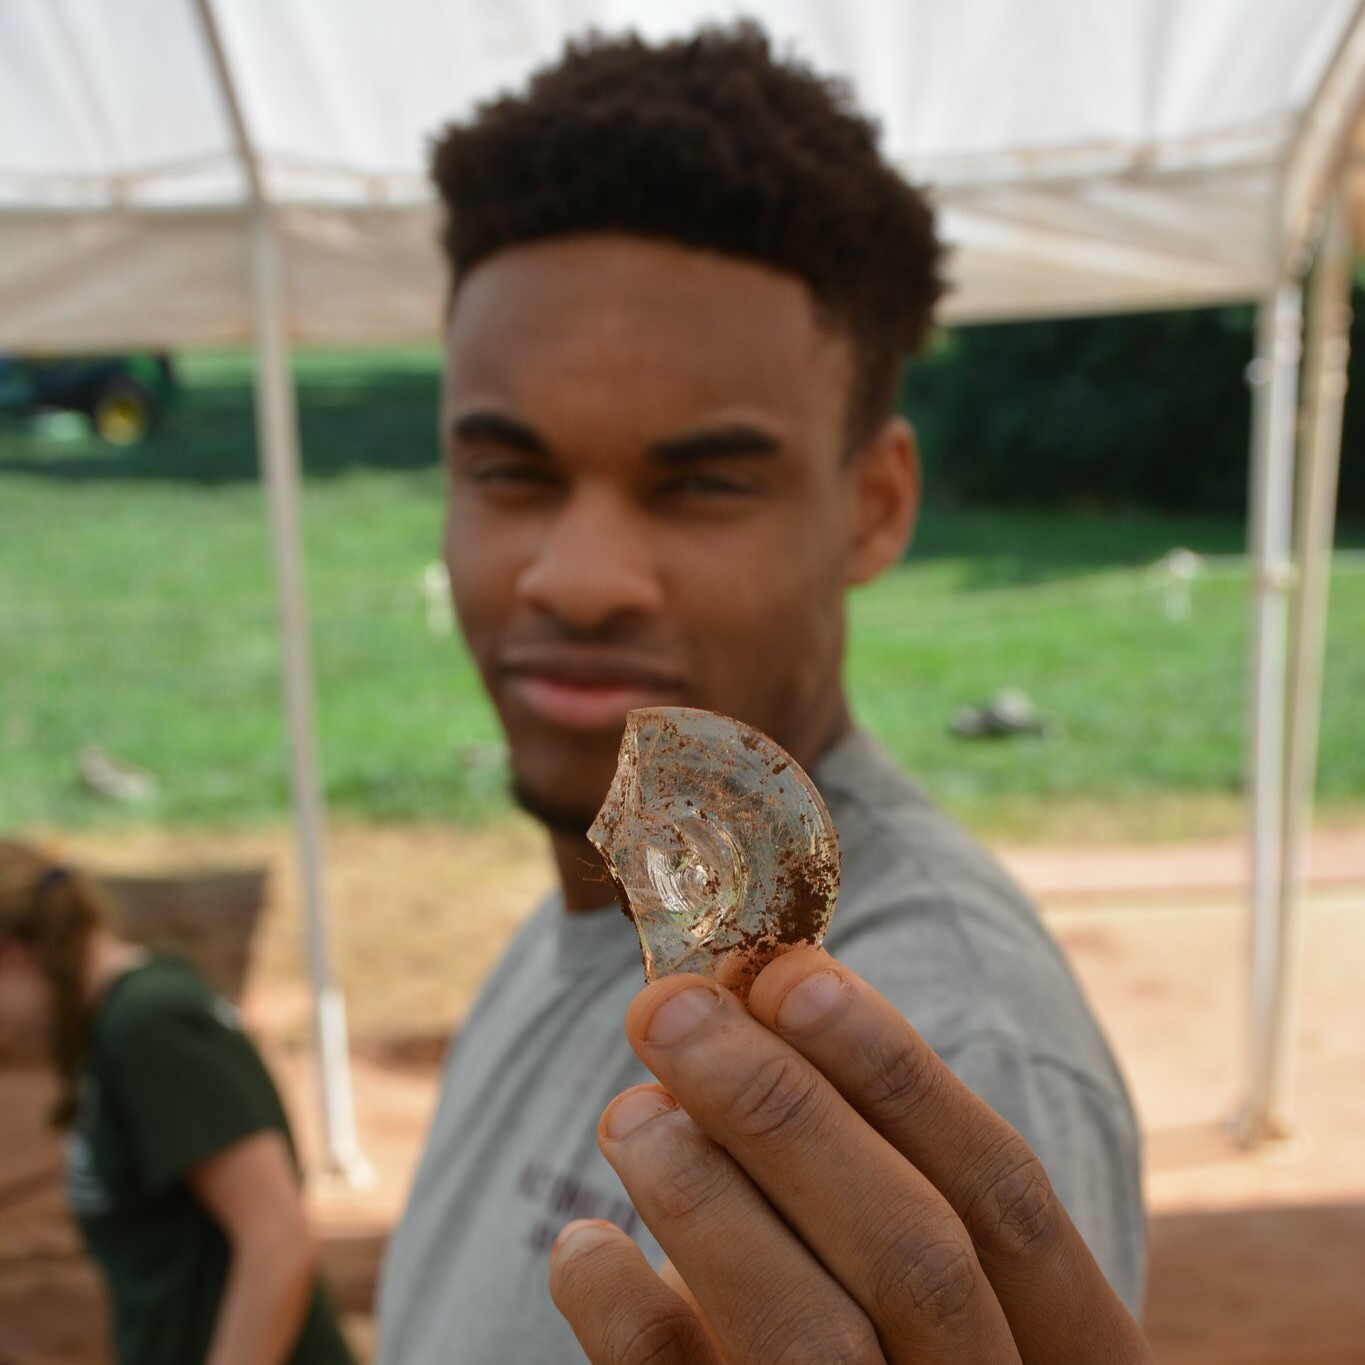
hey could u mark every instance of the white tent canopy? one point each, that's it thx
(177, 173)
(1135, 154)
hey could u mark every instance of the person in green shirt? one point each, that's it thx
(180, 1166)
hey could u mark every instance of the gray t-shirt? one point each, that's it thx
(924, 915)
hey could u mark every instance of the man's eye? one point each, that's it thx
(510, 475)
(706, 485)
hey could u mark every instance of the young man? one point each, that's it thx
(683, 283)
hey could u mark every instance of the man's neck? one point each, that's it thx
(584, 880)
(582, 877)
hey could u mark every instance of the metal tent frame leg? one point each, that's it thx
(1288, 664)
(277, 434)
(1275, 379)
(277, 427)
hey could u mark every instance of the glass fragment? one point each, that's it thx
(719, 842)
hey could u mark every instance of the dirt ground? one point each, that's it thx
(1256, 1258)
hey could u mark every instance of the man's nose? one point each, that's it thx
(596, 565)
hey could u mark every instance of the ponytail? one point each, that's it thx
(54, 912)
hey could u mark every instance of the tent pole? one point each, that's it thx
(277, 436)
(1274, 375)
(1327, 353)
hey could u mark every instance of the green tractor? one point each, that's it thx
(123, 397)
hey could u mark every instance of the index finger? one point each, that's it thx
(1055, 1297)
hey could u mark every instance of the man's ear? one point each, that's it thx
(886, 499)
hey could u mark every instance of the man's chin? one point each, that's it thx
(558, 817)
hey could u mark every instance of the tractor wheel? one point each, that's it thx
(123, 411)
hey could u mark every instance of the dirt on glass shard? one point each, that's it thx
(720, 844)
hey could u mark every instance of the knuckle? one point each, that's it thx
(665, 1337)
(798, 1327)
(693, 1187)
(782, 1098)
(902, 1083)
(828, 1343)
(929, 1282)
(1018, 1211)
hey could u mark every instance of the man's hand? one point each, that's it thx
(827, 1191)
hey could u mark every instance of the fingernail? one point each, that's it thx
(578, 1236)
(635, 1108)
(809, 1001)
(680, 1014)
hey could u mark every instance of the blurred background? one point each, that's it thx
(1065, 462)
(1073, 658)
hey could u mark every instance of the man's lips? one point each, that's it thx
(585, 690)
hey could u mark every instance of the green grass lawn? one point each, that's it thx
(137, 613)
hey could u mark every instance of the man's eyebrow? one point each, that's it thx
(493, 426)
(716, 443)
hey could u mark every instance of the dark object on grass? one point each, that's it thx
(123, 397)
(1009, 712)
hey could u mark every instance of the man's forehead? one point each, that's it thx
(601, 302)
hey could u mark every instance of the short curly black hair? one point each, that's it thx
(710, 142)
